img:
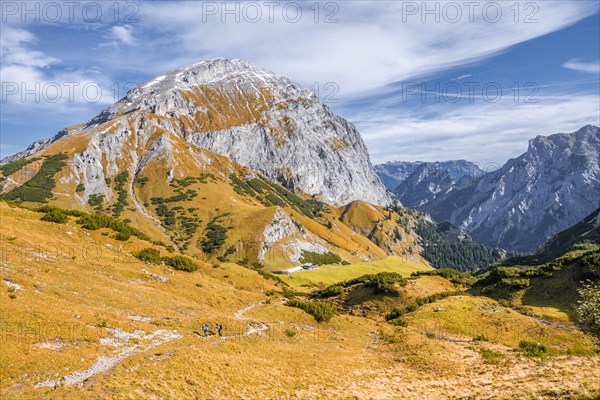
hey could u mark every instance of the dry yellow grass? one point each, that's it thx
(65, 311)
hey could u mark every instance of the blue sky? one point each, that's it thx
(418, 85)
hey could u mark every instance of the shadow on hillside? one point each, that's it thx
(559, 292)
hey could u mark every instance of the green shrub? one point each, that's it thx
(591, 262)
(395, 313)
(94, 221)
(515, 283)
(277, 279)
(399, 322)
(531, 349)
(588, 308)
(490, 356)
(454, 276)
(123, 235)
(215, 236)
(96, 200)
(384, 282)
(289, 332)
(319, 259)
(39, 188)
(120, 181)
(55, 215)
(148, 255)
(329, 291)
(257, 265)
(321, 311)
(12, 167)
(180, 263)
(80, 188)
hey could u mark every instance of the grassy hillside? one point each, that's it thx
(330, 274)
(202, 204)
(583, 235)
(82, 318)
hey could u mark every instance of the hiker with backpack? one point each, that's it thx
(205, 329)
(219, 328)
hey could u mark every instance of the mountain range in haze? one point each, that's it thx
(553, 185)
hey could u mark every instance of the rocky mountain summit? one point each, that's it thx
(256, 118)
(220, 159)
(264, 122)
(552, 186)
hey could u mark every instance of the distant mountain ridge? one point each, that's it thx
(552, 186)
(393, 173)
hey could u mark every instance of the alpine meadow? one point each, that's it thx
(300, 200)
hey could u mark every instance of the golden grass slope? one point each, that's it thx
(71, 302)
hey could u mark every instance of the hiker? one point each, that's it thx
(205, 329)
(219, 327)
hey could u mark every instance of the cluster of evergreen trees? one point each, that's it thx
(466, 255)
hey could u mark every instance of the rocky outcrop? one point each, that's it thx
(552, 186)
(262, 121)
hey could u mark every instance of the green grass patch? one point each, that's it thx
(490, 356)
(531, 349)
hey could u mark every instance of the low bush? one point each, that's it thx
(531, 349)
(180, 263)
(39, 188)
(395, 313)
(321, 311)
(55, 215)
(384, 282)
(12, 167)
(399, 322)
(515, 283)
(454, 276)
(490, 356)
(148, 255)
(330, 291)
(320, 259)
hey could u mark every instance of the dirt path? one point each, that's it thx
(254, 326)
(105, 363)
(157, 338)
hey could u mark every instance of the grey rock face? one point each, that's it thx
(262, 121)
(393, 173)
(551, 187)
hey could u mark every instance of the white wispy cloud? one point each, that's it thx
(32, 84)
(488, 133)
(368, 48)
(591, 68)
(120, 35)
(365, 52)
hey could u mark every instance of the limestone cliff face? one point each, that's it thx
(257, 119)
(552, 186)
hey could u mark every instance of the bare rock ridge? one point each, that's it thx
(550, 187)
(257, 119)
